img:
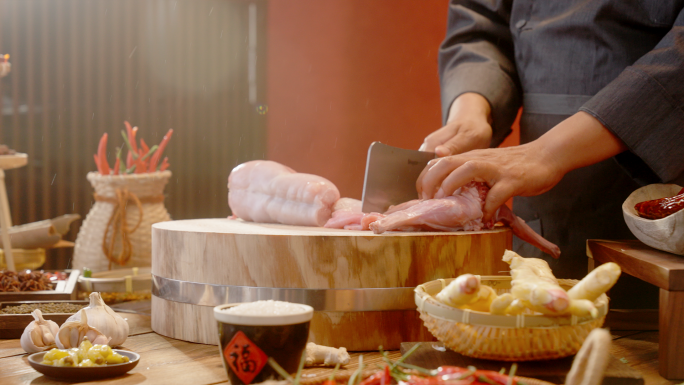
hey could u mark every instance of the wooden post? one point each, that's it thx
(5, 223)
(671, 320)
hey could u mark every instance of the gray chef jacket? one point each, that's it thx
(620, 61)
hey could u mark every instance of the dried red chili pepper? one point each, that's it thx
(660, 208)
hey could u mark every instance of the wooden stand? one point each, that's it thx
(8, 162)
(664, 270)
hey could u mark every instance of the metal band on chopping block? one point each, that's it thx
(338, 300)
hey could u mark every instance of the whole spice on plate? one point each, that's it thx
(45, 308)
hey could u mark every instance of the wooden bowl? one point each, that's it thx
(505, 337)
(665, 234)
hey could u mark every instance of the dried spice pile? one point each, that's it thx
(45, 308)
(11, 281)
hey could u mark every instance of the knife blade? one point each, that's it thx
(391, 175)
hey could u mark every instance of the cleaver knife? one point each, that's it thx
(391, 175)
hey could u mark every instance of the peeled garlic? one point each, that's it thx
(39, 334)
(104, 319)
(72, 333)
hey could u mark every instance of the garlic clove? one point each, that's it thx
(104, 319)
(39, 335)
(71, 333)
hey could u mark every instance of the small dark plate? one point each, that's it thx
(78, 373)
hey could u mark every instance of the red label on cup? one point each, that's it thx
(244, 357)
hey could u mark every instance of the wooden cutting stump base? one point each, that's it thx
(198, 263)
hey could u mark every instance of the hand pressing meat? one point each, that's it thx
(461, 211)
(268, 192)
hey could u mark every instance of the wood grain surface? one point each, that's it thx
(169, 361)
(671, 351)
(234, 252)
(664, 270)
(659, 268)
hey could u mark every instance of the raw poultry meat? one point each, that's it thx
(268, 192)
(346, 215)
(461, 211)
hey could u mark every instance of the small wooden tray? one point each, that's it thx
(13, 325)
(65, 290)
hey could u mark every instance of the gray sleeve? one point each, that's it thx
(477, 56)
(644, 107)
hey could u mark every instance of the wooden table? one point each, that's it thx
(664, 270)
(169, 361)
(163, 361)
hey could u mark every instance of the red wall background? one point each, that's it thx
(344, 73)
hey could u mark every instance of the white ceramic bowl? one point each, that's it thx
(665, 234)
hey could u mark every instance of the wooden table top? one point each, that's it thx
(660, 268)
(168, 361)
(163, 361)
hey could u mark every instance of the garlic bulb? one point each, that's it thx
(104, 319)
(39, 334)
(71, 334)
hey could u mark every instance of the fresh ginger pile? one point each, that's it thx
(534, 288)
(85, 355)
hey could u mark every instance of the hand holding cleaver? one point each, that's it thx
(391, 175)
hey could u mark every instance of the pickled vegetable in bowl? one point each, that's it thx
(88, 361)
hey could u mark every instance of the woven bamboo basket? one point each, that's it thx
(525, 337)
(148, 188)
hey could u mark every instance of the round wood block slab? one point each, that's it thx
(238, 253)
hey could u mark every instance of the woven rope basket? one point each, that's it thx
(88, 249)
(505, 337)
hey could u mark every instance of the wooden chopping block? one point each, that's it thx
(360, 284)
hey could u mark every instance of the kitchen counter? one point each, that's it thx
(168, 361)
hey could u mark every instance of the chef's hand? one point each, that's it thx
(468, 127)
(526, 170)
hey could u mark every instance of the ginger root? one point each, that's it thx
(325, 355)
(582, 308)
(597, 282)
(484, 299)
(516, 307)
(461, 291)
(501, 303)
(591, 361)
(534, 283)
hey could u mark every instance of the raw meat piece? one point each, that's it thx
(346, 214)
(341, 219)
(348, 204)
(268, 192)
(370, 218)
(461, 211)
